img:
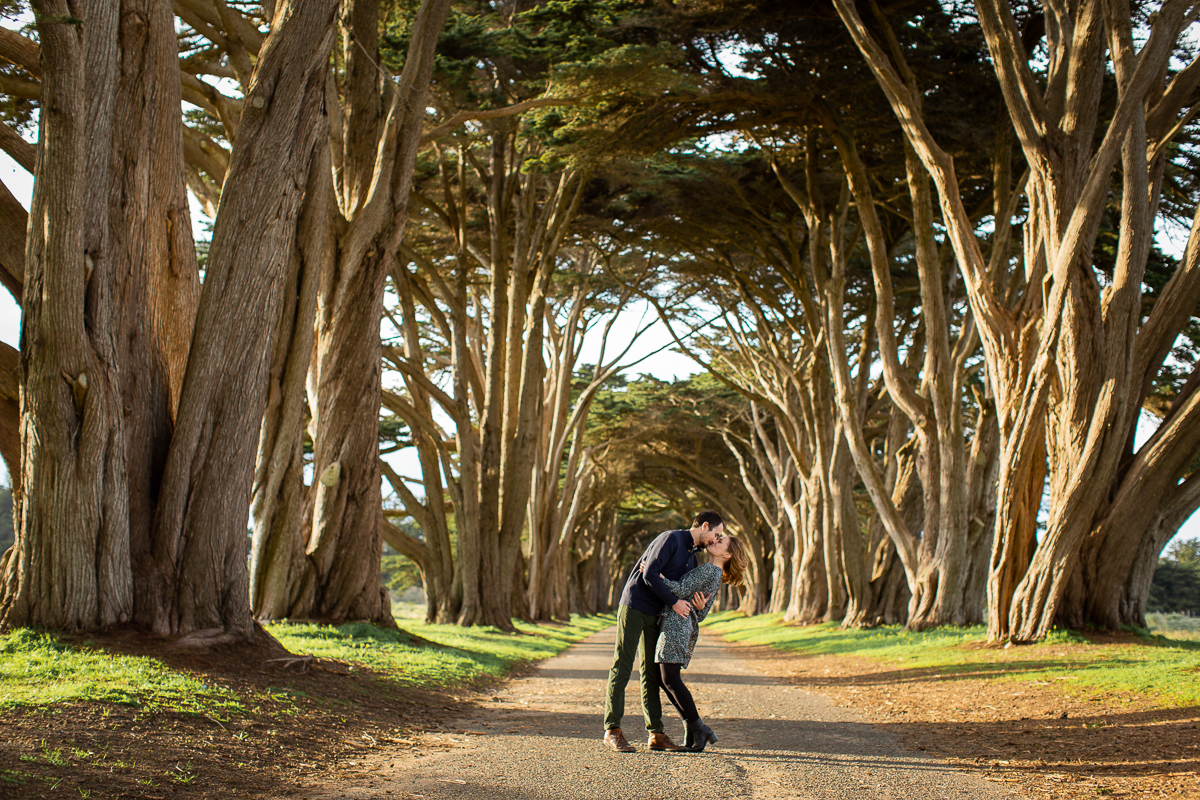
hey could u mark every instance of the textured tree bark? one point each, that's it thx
(808, 601)
(889, 586)
(1156, 494)
(943, 568)
(14, 221)
(10, 413)
(1061, 360)
(854, 567)
(1095, 353)
(199, 545)
(69, 567)
(375, 146)
(155, 269)
(281, 579)
(373, 195)
(563, 474)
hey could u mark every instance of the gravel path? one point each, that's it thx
(539, 738)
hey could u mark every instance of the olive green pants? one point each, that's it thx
(635, 631)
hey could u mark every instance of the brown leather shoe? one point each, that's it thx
(617, 741)
(660, 741)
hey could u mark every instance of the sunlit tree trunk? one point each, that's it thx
(934, 408)
(199, 547)
(70, 565)
(281, 580)
(374, 143)
(1061, 361)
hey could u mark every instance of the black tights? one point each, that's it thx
(677, 692)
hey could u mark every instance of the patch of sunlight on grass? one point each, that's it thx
(459, 655)
(36, 670)
(1159, 668)
(1174, 626)
(407, 611)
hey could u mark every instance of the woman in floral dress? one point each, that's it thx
(728, 560)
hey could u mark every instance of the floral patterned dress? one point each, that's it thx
(677, 635)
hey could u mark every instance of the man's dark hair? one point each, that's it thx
(711, 517)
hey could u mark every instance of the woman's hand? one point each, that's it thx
(699, 601)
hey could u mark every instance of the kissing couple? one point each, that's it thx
(667, 595)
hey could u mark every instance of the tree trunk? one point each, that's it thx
(200, 545)
(69, 567)
(433, 555)
(158, 282)
(981, 504)
(809, 598)
(855, 568)
(281, 579)
(345, 543)
(345, 546)
(10, 414)
(1111, 581)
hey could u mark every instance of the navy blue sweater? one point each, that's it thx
(670, 555)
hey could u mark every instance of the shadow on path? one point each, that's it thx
(539, 737)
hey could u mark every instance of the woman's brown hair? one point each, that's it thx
(734, 570)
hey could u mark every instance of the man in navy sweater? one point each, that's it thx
(671, 554)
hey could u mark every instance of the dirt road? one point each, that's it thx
(539, 739)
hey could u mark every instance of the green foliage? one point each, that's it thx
(1186, 551)
(397, 572)
(394, 433)
(591, 54)
(18, 113)
(36, 669)
(1162, 669)
(1176, 585)
(481, 42)
(12, 9)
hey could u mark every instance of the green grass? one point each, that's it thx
(1174, 626)
(38, 670)
(1159, 668)
(464, 655)
(407, 611)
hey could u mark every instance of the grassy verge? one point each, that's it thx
(461, 655)
(1155, 667)
(38, 670)
(118, 716)
(1174, 626)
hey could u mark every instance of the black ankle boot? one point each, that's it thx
(689, 735)
(700, 734)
